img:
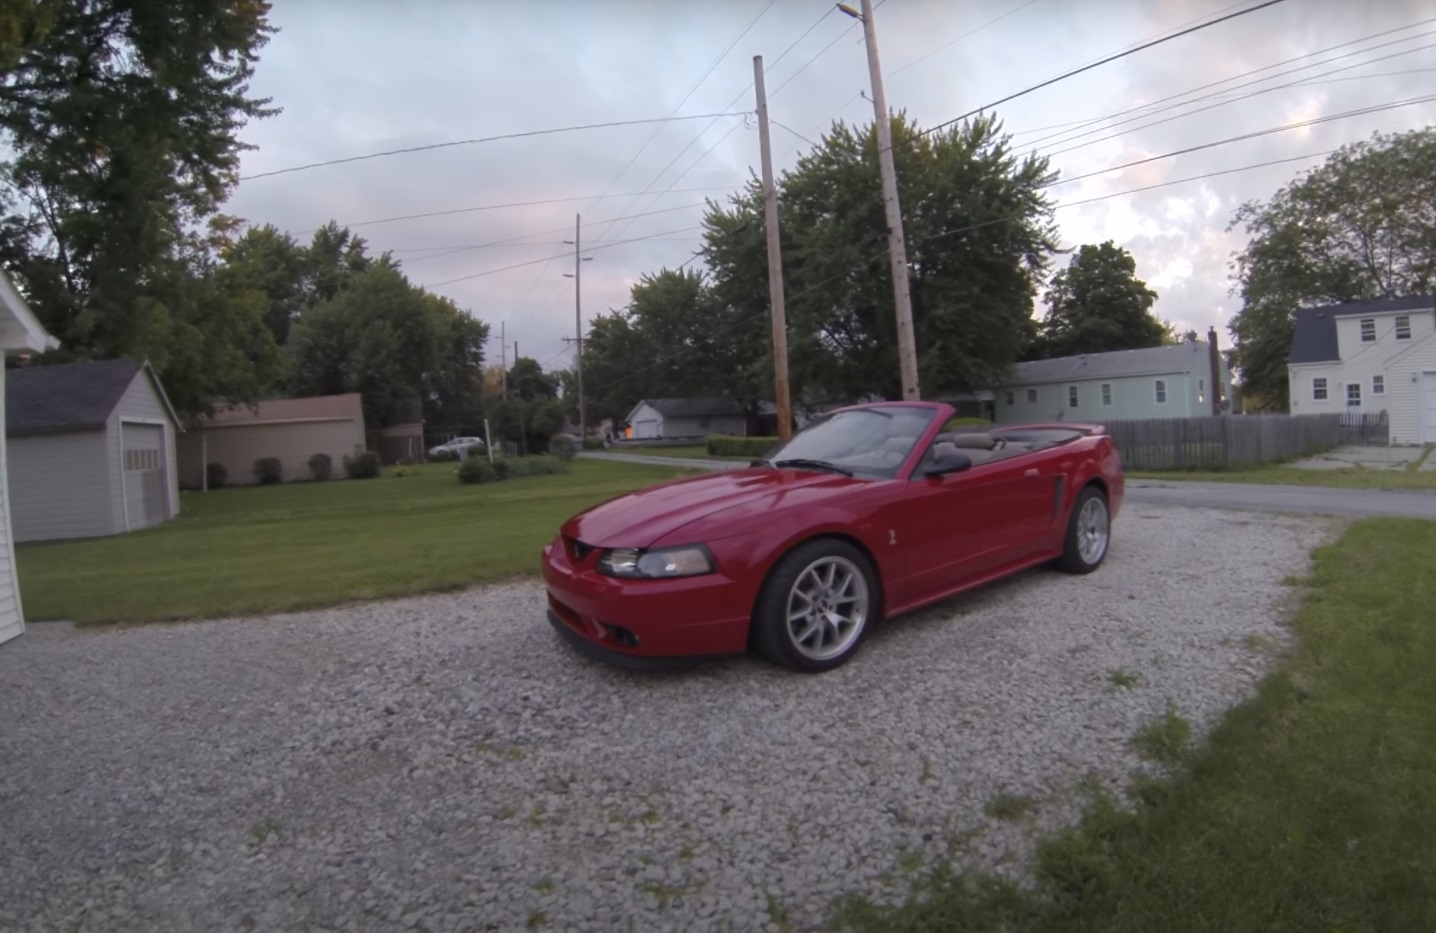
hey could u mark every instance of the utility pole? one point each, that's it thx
(775, 261)
(902, 299)
(578, 262)
(504, 358)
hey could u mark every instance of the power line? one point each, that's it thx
(1103, 61)
(533, 262)
(509, 204)
(1093, 120)
(467, 246)
(490, 139)
(1071, 135)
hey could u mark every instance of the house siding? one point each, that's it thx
(65, 492)
(1400, 364)
(1133, 398)
(237, 446)
(140, 403)
(12, 618)
(648, 422)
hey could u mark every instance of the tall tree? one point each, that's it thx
(527, 380)
(121, 118)
(1362, 225)
(379, 336)
(454, 387)
(979, 238)
(1098, 304)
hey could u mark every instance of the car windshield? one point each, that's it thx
(867, 441)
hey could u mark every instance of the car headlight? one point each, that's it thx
(689, 560)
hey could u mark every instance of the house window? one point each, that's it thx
(1010, 397)
(1071, 396)
(1106, 393)
(1368, 330)
(1403, 327)
(1032, 396)
(1161, 391)
(1378, 385)
(1201, 390)
(1353, 394)
(1318, 388)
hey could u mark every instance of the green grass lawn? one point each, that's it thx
(1311, 808)
(303, 545)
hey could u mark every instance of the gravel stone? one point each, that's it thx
(445, 763)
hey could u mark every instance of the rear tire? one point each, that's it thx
(1089, 533)
(816, 606)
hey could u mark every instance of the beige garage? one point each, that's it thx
(290, 429)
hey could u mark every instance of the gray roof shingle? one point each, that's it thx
(1179, 358)
(694, 407)
(44, 399)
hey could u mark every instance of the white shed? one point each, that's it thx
(687, 417)
(91, 450)
(19, 333)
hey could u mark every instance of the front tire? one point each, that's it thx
(816, 606)
(1089, 533)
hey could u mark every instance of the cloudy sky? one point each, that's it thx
(386, 76)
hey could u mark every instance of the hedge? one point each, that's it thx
(480, 470)
(724, 445)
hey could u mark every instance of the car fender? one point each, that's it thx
(766, 547)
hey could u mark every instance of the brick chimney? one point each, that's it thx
(1216, 362)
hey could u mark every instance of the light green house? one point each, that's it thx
(1159, 382)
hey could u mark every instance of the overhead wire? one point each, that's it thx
(488, 139)
(532, 262)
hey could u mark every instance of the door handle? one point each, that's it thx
(1031, 472)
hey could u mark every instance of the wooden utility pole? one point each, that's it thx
(775, 261)
(503, 359)
(897, 248)
(578, 262)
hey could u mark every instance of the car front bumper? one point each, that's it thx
(624, 621)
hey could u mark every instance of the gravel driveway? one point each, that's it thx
(445, 764)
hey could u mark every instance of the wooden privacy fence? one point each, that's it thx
(1225, 441)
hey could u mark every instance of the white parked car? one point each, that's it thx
(456, 446)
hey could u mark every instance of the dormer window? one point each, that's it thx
(1403, 327)
(1368, 330)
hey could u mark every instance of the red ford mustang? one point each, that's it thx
(873, 511)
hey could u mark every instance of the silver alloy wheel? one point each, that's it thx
(827, 608)
(1093, 530)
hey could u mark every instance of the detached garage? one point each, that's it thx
(289, 429)
(91, 450)
(19, 333)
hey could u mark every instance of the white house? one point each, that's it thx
(1366, 357)
(91, 450)
(1184, 380)
(686, 417)
(19, 333)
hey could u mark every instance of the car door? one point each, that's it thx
(966, 525)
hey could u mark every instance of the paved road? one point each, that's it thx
(1252, 497)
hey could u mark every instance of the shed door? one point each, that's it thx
(144, 462)
(1428, 407)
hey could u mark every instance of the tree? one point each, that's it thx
(1097, 304)
(1360, 226)
(617, 367)
(527, 380)
(379, 336)
(121, 118)
(979, 237)
(454, 387)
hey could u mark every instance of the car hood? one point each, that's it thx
(642, 518)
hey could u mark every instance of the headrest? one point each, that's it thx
(973, 441)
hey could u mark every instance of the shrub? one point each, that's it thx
(268, 470)
(482, 471)
(362, 464)
(476, 450)
(321, 465)
(444, 456)
(723, 445)
(592, 443)
(561, 447)
(215, 475)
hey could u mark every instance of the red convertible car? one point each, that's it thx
(871, 512)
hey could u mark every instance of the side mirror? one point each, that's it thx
(947, 459)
